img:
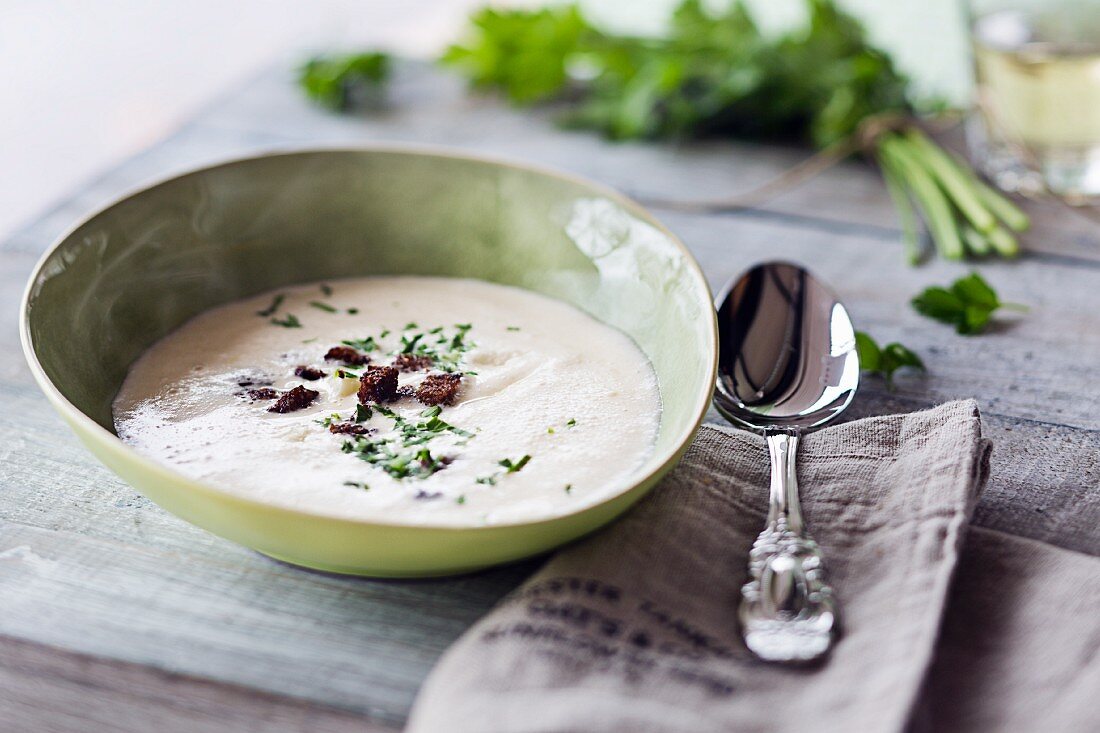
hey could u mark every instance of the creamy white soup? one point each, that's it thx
(407, 399)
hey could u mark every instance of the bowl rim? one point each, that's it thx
(86, 427)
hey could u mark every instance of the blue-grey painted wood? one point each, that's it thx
(113, 613)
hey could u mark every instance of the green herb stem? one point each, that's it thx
(290, 321)
(933, 203)
(1003, 242)
(955, 183)
(975, 241)
(906, 215)
(1002, 208)
(270, 310)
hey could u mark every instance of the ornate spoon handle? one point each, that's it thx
(787, 610)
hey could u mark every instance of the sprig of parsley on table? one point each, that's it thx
(715, 72)
(968, 304)
(884, 360)
(712, 73)
(334, 80)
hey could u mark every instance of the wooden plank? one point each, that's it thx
(115, 577)
(49, 690)
(220, 613)
(1043, 477)
(1021, 368)
(432, 107)
(96, 582)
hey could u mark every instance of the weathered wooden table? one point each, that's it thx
(115, 615)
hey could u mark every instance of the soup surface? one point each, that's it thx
(404, 399)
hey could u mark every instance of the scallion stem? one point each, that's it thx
(934, 205)
(977, 243)
(955, 183)
(906, 215)
(1003, 242)
(1002, 208)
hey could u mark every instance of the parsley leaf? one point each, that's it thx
(336, 81)
(291, 321)
(270, 310)
(367, 344)
(884, 360)
(514, 466)
(968, 304)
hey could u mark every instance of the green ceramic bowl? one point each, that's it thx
(133, 272)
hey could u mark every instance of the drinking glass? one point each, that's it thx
(1036, 123)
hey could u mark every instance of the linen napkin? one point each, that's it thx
(634, 629)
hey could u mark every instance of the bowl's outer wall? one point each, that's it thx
(134, 272)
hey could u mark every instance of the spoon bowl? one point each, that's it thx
(787, 364)
(786, 352)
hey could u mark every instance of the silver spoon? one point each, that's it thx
(787, 364)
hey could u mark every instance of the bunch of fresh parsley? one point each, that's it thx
(716, 73)
(712, 74)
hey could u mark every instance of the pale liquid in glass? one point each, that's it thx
(1038, 98)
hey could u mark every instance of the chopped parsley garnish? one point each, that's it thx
(461, 499)
(550, 431)
(408, 344)
(291, 321)
(309, 341)
(367, 344)
(513, 328)
(333, 418)
(322, 306)
(357, 485)
(362, 413)
(572, 422)
(509, 466)
(458, 341)
(346, 372)
(386, 454)
(326, 290)
(403, 453)
(445, 350)
(270, 310)
(514, 466)
(569, 488)
(431, 411)
(352, 311)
